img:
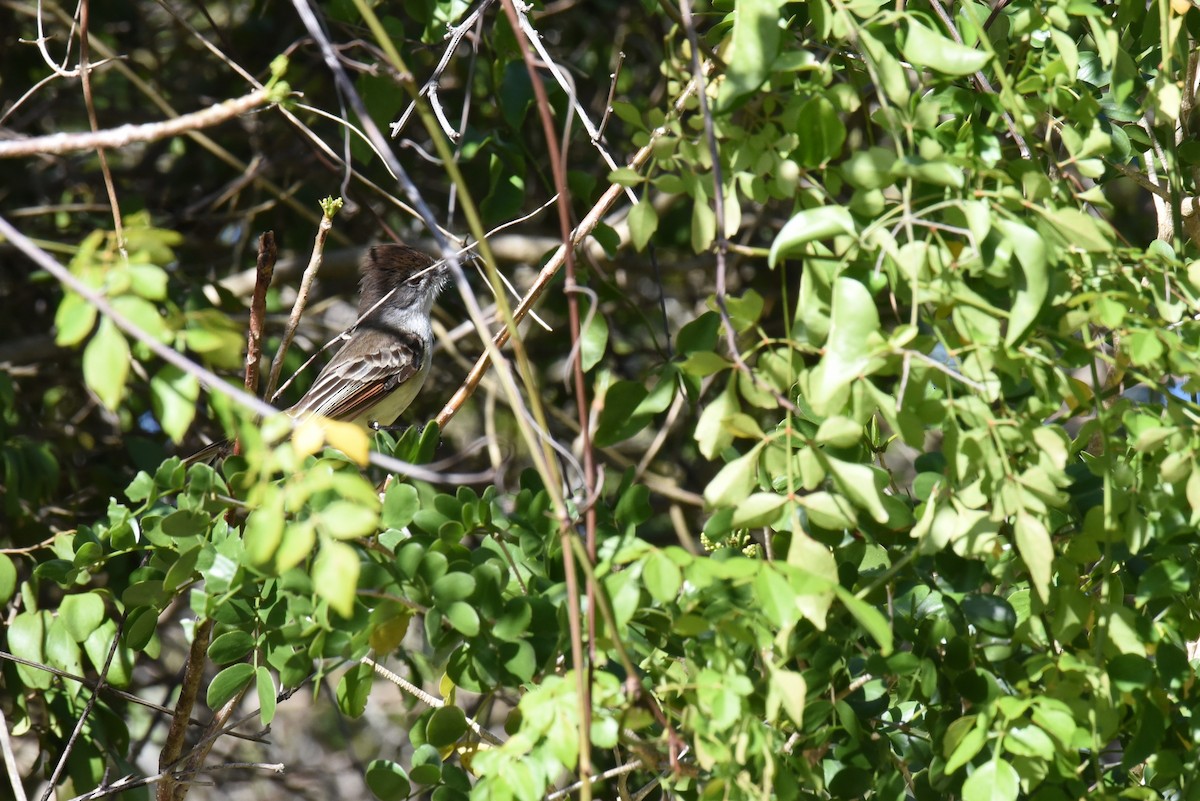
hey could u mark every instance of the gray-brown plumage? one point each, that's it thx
(382, 366)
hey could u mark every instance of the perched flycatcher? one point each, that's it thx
(383, 364)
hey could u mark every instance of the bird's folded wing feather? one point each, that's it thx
(349, 387)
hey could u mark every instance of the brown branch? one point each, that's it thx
(62, 143)
(258, 308)
(193, 673)
(558, 171)
(310, 274)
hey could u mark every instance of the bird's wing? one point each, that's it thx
(363, 373)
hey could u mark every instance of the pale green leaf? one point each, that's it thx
(643, 222)
(788, 691)
(854, 324)
(335, 576)
(1037, 552)
(711, 434)
(106, 364)
(173, 395)
(704, 225)
(927, 48)
(760, 509)
(756, 37)
(735, 481)
(265, 686)
(1032, 284)
(74, 320)
(993, 781)
(869, 617)
(82, 613)
(809, 226)
(840, 432)
(593, 340)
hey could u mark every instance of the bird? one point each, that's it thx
(382, 366)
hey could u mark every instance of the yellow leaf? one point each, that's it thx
(308, 437)
(349, 439)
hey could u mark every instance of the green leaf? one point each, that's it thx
(265, 685)
(264, 530)
(346, 520)
(26, 636)
(1037, 552)
(869, 617)
(625, 176)
(1081, 230)
(853, 330)
(809, 226)
(463, 618)
(617, 420)
(1145, 348)
(335, 576)
(993, 781)
(755, 44)
(388, 781)
(82, 614)
(735, 480)
(701, 333)
(144, 315)
(662, 576)
(821, 132)
(963, 740)
(711, 434)
(789, 691)
(892, 76)
(593, 340)
(99, 645)
(74, 320)
(861, 484)
(228, 683)
(453, 587)
(230, 647)
(446, 725)
(353, 690)
(1032, 285)
(106, 364)
(400, 504)
(8, 578)
(643, 222)
(840, 432)
(173, 396)
(926, 48)
(704, 225)
(760, 509)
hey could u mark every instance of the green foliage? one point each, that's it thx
(939, 438)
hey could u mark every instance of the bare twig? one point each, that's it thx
(310, 274)
(427, 699)
(85, 77)
(87, 709)
(61, 143)
(10, 760)
(611, 773)
(455, 35)
(129, 782)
